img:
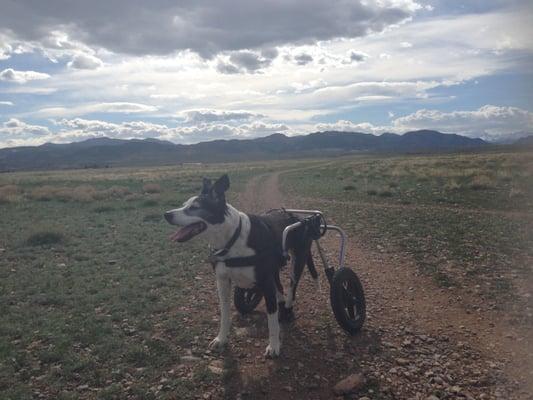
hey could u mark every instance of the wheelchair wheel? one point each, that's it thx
(348, 300)
(246, 300)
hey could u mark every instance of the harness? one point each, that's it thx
(218, 255)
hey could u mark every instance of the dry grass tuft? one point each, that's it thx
(482, 182)
(152, 188)
(516, 193)
(82, 193)
(452, 185)
(10, 194)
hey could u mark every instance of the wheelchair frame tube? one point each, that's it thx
(342, 234)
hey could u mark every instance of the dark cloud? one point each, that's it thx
(357, 56)
(163, 26)
(303, 59)
(246, 61)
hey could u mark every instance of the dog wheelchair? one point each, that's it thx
(346, 292)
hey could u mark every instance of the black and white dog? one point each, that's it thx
(248, 253)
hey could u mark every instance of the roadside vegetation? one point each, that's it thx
(94, 298)
(466, 219)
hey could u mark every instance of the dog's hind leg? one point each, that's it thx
(224, 297)
(274, 343)
(296, 273)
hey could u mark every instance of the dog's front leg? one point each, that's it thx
(224, 298)
(274, 342)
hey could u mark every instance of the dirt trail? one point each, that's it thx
(418, 341)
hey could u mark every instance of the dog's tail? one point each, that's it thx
(311, 266)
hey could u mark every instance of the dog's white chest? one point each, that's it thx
(243, 277)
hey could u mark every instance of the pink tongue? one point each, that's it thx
(181, 233)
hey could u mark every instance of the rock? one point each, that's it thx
(402, 361)
(190, 359)
(112, 262)
(432, 397)
(349, 384)
(216, 367)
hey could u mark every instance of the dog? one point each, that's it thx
(248, 253)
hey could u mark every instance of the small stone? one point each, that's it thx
(402, 361)
(432, 397)
(112, 262)
(190, 359)
(349, 384)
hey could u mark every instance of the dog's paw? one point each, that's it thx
(217, 343)
(272, 351)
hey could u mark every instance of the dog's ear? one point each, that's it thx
(206, 186)
(221, 185)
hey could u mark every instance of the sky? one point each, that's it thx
(190, 71)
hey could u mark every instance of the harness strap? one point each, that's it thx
(222, 252)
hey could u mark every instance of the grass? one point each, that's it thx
(95, 301)
(44, 238)
(466, 220)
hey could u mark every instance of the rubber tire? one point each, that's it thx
(246, 300)
(337, 291)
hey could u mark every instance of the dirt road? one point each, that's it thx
(419, 340)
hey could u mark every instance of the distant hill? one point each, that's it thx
(106, 152)
(524, 141)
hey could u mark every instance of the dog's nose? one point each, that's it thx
(168, 216)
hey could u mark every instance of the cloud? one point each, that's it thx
(489, 122)
(114, 107)
(349, 126)
(358, 56)
(492, 123)
(85, 61)
(303, 59)
(163, 27)
(11, 75)
(16, 127)
(207, 116)
(6, 103)
(76, 129)
(246, 61)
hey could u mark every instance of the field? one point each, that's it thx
(95, 302)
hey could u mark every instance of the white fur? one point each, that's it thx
(274, 343)
(224, 298)
(217, 236)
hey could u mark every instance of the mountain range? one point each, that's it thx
(106, 152)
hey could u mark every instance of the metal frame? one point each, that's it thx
(319, 247)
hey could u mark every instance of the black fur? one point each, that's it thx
(265, 238)
(210, 205)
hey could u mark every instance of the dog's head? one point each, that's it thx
(202, 212)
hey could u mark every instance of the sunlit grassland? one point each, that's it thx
(95, 302)
(466, 219)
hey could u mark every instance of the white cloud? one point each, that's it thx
(492, 123)
(85, 61)
(489, 122)
(115, 107)
(208, 116)
(349, 126)
(6, 103)
(11, 75)
(16, 127)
